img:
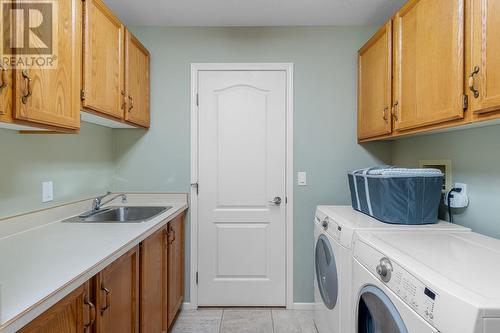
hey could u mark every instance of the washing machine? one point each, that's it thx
(421, 282)
(335, 227)
(327, 256)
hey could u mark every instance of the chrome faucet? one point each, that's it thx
(97, 202)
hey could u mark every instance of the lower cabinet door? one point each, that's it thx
(175, 267)
(153, 283)
(117, 290)
(73, 314)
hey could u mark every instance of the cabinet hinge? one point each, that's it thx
(82, 95)
(197, 99)
(196, 277)
(465, 102)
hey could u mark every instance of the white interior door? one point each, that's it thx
(241, 156)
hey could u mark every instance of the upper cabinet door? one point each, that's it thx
(5, 94)
(429, 63)
(484, 76)
(375, 85)
(51, 96)
(103, 64)
(136, 81)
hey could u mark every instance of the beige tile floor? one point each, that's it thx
(244, 321)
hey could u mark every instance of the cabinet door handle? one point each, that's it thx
(27, 93)
(384, 115)
(3, 77)
(131, 103)
(124, 100)
(475, 71)
(173, 235)
(92, 314)
(394, 111)
(106, 306)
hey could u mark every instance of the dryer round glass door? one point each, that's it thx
(376, 313)
(326, 272)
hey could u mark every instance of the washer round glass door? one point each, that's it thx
(326, 272)
(377, 314)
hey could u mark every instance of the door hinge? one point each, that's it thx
(196, 186)
(82, 95)
(286, 200)
(465, 102)
(197, 99)
(196, 277)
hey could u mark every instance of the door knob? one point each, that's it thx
(276, 201)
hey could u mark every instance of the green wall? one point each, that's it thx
(475, 156)
(79, 165)
(324, 145)
(324, 116)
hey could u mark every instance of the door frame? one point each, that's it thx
(289, 172)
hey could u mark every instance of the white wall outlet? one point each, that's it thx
(47, 191)
(458, 200)
(301, 178)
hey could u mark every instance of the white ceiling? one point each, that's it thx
(253, 12)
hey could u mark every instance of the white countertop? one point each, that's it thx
(43, 262)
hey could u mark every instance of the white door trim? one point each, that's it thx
(193, 201)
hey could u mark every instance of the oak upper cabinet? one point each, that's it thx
(175, 270)
(375, 85)
(73, 314)
(429, 63)
(136, 81)
(5, 94)
(103, 61)
(154, 287)
(484, 52)
(46, 94)
(117, 300)
(5, 88)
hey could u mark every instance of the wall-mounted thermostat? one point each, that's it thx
(444, 166)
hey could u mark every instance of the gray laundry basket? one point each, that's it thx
(396, 195)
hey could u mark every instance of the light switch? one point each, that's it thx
(47, 191)
(302, 178)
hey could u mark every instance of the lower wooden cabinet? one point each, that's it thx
(175, 279)
(153, 283)
(117, 295)
(162, 277)
(149, 278)
(73, 314)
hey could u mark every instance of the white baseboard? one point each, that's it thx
(187, 306)
(302, 306)
(294, 306)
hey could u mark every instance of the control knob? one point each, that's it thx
(384, 269)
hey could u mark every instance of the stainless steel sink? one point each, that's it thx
(124, 214)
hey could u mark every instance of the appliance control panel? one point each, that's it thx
(411, 290)
(408, 288)
(330, 226)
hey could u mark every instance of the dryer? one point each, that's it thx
(335, 227)
(421, 282)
